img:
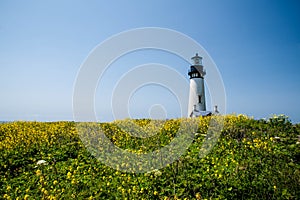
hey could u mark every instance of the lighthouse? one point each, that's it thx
(197, 105)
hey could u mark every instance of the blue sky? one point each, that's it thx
(255, 45)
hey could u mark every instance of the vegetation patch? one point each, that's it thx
(253, 159)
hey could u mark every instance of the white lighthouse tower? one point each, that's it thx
(197, 105)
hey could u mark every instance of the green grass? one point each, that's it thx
(253, 159)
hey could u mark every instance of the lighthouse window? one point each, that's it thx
(200, 99)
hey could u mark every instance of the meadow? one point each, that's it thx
(252, 159)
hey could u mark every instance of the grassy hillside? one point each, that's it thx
(253, 159)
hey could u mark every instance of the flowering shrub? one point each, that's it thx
(253, 159)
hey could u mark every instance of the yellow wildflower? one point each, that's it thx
(8, 187)
(38, 172)
(198, 196)
(69, 175)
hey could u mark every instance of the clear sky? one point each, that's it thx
(254, 43)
